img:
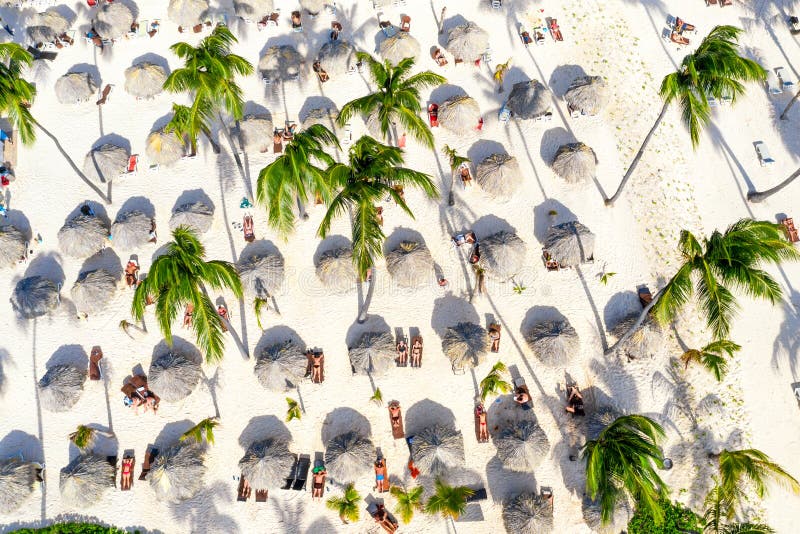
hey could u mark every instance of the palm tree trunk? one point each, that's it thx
(362, 316)
(758, 196)
(789, 105)
(638, 322)
(635, 162)
(236, 157)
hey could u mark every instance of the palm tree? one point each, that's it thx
(716, 70)
(369, 176)
(396, 100)
(717, 504)
(258, 304)
(294, 175)
(712, 356)
(725, 260)
(83, 437)
(178, 278)
(346, 505)
(202, 430)
(408, 501)
(188, 122)
(500, 72)
(448, 501)
(493, 383)
(17, 94)
(754, 467)
(455, 163)
(293, 411)
(619, 464)
(758, 196)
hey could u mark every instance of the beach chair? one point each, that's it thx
(438, 56)
(248, 229)
(105, 94)
(149, 458)
(645, 297)
(318, 486)
(261, 495)
(789, 229)
(243, 491)
(388, 29)
(155, 25)
(288, 132)
(297, 23)
(405, 23)
(504, 115)
(577, 403)
(95, 373)
(322, 76)
(724, 3)
(555, 30)
(710, 2)
(525, 36)
(521, 387)
(773, 86)
(301, 473)
(794, 25)
(347, 134)
(277, 140)
(416, 349)
(496, 4)
(133, 164)
(549, 262)
(433, 115)
(382, 516)
(465, 174)
(678, 39)
(128, 463)
(141, 29)
(764, 157)
(396, 421)
(786, 78)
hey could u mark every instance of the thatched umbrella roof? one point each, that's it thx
(256, 132)
(570, 243)
(163, 148)
(575, 162)
(648, 341)
(261, 274)
(105, 162)
(267, 463)
(145, 79)
(61, 387)
(252, 9)
(523, 446)
(528, 513)
(75, 87)
(187, 13)
(17, 481)
(280, 63)
(34, 296)
(587, 94)
(623, 513)
(499, 175)
(410, 264)
(281, 366)
(131, 230)
(336, 269)
(336, 57)
(174, 375)
(529, 100)
(554, 342)
(467, 41)
(325, 117)
(374, 353)
(86, 478)
(465, 344)
(502, 255)
(348, 456)
(41, 34)
(114, 20)
(12, 245)
(459, 115)
(398, 47)
(93, 290)
(177, 473)
(52, 19)
(437, 449)
(312, 6)
(82, 236)
(198, 216)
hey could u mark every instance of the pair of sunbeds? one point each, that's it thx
(412, 353)
(296, 480)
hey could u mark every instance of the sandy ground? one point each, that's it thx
(674, 188)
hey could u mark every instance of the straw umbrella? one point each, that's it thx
(35, 296)
(53, 20)
(256, 132)
(575, 162)
(82, 236)
(467, 42)
(187, 13)
(312, 6)
(348, 456)
(410, 264)
(280, 63)
(647, 342)
(437, 449)
(281, 366)
(465, 344)
(252, 9)
(528, 513)
(177, 473)
(114, 20)
(61, 387)
(261, 274)
(86, 478)
(374, 353)
(499, 175)
(145, 79)
(131, 230)
(41, 34)
(587, 94)
(336, 57)
(459, 115)
(398, 47)
(619, 520)
(523, 446)
(197, 216)
(75, 87)
(105, 162)
(326, 117)
(553, 342)
(17, 482)
(266, 463)
(529, 100)
(336, 269)
(174, 375)
(13, 245)
(163, 148)
(502, 255)
(93, 290)
(570, 244)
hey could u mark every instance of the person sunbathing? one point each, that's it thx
(394, 414)
(416, 353)
(296, 22)
(483, 429)
(223, 313)
(494, 334)
(187, 316)
(466, 178)
(383, 519)
(574, 401)
(316, 367)
(336, 28)
(402, 352)
(127, 470)
(380, 476)
(439, 58)
(682, 26)
(318, 483)
(521, 397)
(131, 270)
(321, 74)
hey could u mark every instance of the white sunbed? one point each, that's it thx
(773, 87)
(764, 157)
(785, 77)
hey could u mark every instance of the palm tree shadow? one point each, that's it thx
(731, 160)
(787, 343)
(39, 425)
(202, 510)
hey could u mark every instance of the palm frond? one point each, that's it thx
(408, 502)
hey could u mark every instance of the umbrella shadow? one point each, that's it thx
(317, 102)
(621, 305)
(278, 334)
(445, 92)
(448, 24)
(113, 139)
(540, 314)
(547, 214)
(107, 260)
(47, 265)
(374, 323)
(505, 483)
(482, 149)
(263, 427)
(342, 420)
(155, 59)
(138, 203)
(562, 77)
(19, 221)
(179, 345)
(450, 310)
(171, 433)
(552, 140)
(490, 225)
(427, 413)
(18, 442)
(332, 242)
(399, 235)
(74, 355)
(194, 195)
(201, 510)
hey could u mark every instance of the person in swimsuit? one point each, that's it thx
(394, 414)
(380, 475)
(318, 488)
(416, 353)
(223, 313)
(130, 274)
(382, 517)
(483, 430)
(402, 352)
(127, 471)
(316, 367)
(187, 316)
(494, 334)
(521, 397)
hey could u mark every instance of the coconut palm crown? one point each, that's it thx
(448, 501)
(17, 94)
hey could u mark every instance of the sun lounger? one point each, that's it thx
(679, 39)
(248, 229)
(645, 297)
(94, 363)
(549, 263)
(133, 164)
(405, 23)
(336, 29)
(382, 516)
(773, 86)
(525, 36)
(301, 473)
(521, 387)
(504, 115)
(149, 458)
(297, 23)
(496, 4)
(786, 78)
(710, 2)
(244, 490)
(415, 353)
(478, 495)
(322, 76)
(388, 29)
(764, 157)
(318, 487)
(789, 228)
(438, 56)
(396, 422)
(555, 30)
(261, 495)
(433, 115)
(277, 141)
(794, 25)
(128, 463)
(347, 134)
(574, 403)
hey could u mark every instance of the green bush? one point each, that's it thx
(71, 528)
(677, 520)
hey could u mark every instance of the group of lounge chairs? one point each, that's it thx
(296, 480)
(279, 135)
(677, 29)
(126, 475)
(137, 393)
(389, 29)
(538, 33)
(415, 351)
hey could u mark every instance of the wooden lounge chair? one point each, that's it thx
(405, 23)
(128, 463)
(104, 95)
(549, 263)
(244, 490)
(476, 412)
(645, 297)
(521, 387)
(433, 115)
(525, 36)
(438, 56)
(382, 516)
(723, 3)
(95, 372)
(555, 30)
(149, 458)
(301, 472)
(248, 229)
(416, 340)
(261, 495)
(789, 228)
(396, 421)
(322, 76)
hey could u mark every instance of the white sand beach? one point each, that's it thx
(674, 188)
